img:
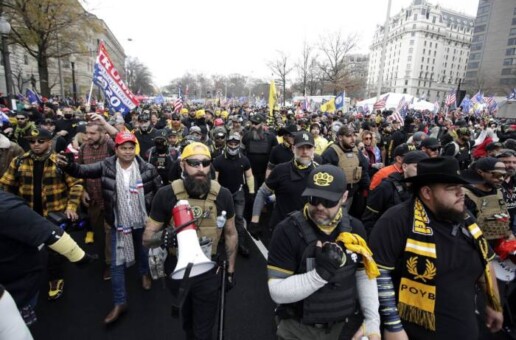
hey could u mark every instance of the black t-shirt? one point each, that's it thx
(21, 263)
(146, 140)
(231, 171)
(287, 246)
(280, 154)
(165, 200)
(288, 183)
(458, 264)
(69, 125)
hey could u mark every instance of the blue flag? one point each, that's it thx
(32, 97)
(466, 104)
(340, 101)
(159, 99)
(512, 95)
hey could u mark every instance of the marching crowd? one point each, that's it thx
(377, 227)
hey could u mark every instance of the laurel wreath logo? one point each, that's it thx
(428, 274)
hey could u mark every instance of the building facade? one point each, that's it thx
(492, 60)
(426, 52)
(24, 68)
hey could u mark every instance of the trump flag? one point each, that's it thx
(105, 76)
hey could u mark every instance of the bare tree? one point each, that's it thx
(281, 68)
(139, 78)
(304, 66)
(49, 29)
(335, 47)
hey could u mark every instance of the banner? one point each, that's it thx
(273, 99)
(340, 101)
(105, 76)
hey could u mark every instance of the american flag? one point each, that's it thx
(397, 116)
(450, 98)
(380, 104)
(401, 103)
(178, 103)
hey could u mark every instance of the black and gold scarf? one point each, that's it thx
(418, 290)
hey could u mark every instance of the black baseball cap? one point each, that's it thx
(38, 133)
(303, 138)
(414, 157)
(257, 119)
(326, 181)
(431, 142)
(403, 149)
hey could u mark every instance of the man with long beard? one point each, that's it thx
(287, 181)
(430, 250)
(258, 144)
(208, 201)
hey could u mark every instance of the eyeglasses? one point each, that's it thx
(435, 149)
(20, 118)
(368, 138)
(39, 141)
(220, 137)
(315, 201)
(194, 163)
(176, 119)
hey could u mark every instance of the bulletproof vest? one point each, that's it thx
(492, 217)
(259, 147)
(204, 210)
(349, 163)
(336, 300)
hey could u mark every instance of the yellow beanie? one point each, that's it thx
(195, 149)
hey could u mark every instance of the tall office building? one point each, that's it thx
(492, 60)
(426, 51)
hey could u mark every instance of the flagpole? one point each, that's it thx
(89, 95)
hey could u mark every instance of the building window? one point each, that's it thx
(510, 51)
(478, 46)
(424, 51)
(473, 64)
(405, 90)
(412, 42)
(513, 21)
(415, 17)
(409, 58)
(507, 71)
(430, 44)
(513, 31)
(413, 34)
(509, 61)
(482, 28)
(411, 50)
(474, 56)
(413, 26)
(508, 81)
(478, 38)
(511, 41)
(471, 74)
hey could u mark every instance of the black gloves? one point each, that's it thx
(86, 260)
(230, 281)
(328, 259)
(168, 237)
(255, 230)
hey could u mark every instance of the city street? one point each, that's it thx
(79, 314)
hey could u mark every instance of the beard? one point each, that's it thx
(197, 185)
(256, 133)
(443, 212)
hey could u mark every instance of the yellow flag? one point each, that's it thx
(329, 106)
(273, 99)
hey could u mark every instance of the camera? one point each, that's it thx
(59, 219)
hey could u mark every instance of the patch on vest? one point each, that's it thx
(197, 212)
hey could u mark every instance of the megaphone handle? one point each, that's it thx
(177, 303)
(184, 225)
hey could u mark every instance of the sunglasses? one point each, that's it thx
(368, 138)
(315, 201)
(176, 119)
(194, 163)
(435, 149)
(39, 141)
(20, 118)
(497, 174)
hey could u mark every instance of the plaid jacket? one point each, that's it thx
(60, 191)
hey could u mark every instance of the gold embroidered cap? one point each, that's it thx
(326, 181)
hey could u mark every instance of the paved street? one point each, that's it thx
(80, 312)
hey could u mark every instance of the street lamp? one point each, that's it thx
(74, 85)
(5, 29)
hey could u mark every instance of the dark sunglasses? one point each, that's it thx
(176, 119)
(435, 149)
(368, 138)
(194, 163)
(315, 201)
(20, 118)
(39, 141)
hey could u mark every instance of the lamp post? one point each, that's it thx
(74, 85)
(5, 29)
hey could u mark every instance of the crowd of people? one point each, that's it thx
(375, 227)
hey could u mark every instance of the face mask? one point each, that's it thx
(68, 115)
(233, 151)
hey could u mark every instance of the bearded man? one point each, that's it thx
(209, 201)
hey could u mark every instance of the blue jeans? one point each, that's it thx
(118, 272)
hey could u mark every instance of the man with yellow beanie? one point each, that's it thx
(212, 206)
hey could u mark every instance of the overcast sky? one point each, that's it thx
(230, 36)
